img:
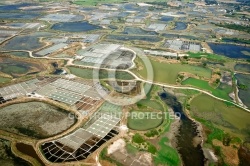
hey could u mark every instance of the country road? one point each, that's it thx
(38, 143)
(70, 63)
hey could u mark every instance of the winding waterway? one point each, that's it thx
(191, 156)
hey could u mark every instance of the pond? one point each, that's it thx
(17, 68)
(134, 37)
(169, 35)
(242, 67)
(13, 67)
(215, 64)
(58, 71)
(7, 158)
(133, 7)
(113, 27)
(166, 18)
(182, 18)
(29, 150)
(13, 7)
(235, 40)
(180, 26)
(138, 31)
(20, 15)
(35, 119)
(123, 14)
(230, 50)
(75, 26)
(26, 42)
(244, 94)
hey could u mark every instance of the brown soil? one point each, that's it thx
(229, 152)
(106, 163)
(28, 150)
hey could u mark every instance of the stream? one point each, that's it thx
(191, 156)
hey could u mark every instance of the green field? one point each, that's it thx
(4, 79)
(207, 55)
(131, 149)
(150, 103)
(14, 69)
(229, 118)
(166, 155)
(103, 74)
(222, 91)
(167, 73)
(140, 120)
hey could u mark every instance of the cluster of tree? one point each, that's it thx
(237, 40)
(242, 86)
(151, 133)
(235, 27)
(158, 3)
(137, 138)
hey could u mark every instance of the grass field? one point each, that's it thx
(131, 149)
(167, 73)
(229, 118)
(150, 103)
(166, 155)
(140, 120)
(222, 91)
(103, 74)
(141, 117)
(207, 55)
(4, 79)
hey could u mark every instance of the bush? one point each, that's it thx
(137, 138)
(242, 86)
(151, 133)
(204, 64)
(235, 27)
(152, 149)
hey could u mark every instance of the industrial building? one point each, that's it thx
(180, 45)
